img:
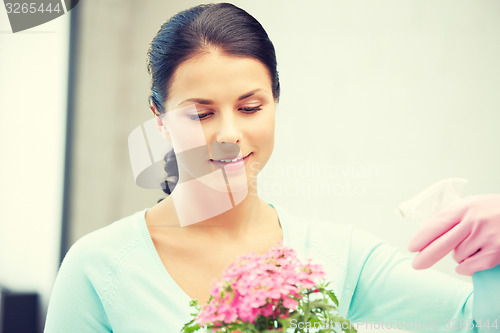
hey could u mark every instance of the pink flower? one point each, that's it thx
(269, 285)
(290, 303)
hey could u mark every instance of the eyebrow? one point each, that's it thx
(210, 102)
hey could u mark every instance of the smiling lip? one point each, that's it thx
(231, 164)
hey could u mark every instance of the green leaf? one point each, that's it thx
(321, 305)
(190, 327)
(332, 297)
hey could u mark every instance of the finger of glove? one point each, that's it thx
(468, 247)
(480, 261)
(441, 246)
(437, 226)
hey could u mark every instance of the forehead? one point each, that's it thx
(218, 76)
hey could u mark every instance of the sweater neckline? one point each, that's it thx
(153, 253)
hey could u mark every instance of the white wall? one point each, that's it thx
(404, 93)
(33, 87)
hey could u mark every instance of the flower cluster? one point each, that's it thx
(254, 286)
(260, 293)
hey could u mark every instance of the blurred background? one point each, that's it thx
(379, 100)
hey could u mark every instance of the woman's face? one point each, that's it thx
(221, 103)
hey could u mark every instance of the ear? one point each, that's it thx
(160, 124)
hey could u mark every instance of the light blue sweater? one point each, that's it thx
(112, 280)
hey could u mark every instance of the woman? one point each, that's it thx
(214, 91)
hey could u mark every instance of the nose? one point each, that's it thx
(228, 130)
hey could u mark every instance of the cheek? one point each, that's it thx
(263, 134)
(184, 133)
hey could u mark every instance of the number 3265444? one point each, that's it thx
(32, 8)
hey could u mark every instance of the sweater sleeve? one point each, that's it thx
(75, 303)
(390, 293)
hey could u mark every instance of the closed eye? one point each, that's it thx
(200, 116)
(205, 115)
(250, 109)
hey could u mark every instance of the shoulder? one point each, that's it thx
(314, 231)
(105, 246)
(90, 267)
(317, 238)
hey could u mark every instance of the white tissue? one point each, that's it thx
(432, 200)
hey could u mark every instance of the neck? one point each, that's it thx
(215, 209)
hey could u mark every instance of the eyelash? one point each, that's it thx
(250, 110)
(199, 116)
(245, 110)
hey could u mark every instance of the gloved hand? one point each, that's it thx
(470, 227)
